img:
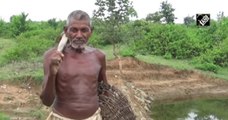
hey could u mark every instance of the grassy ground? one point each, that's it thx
(4, 117)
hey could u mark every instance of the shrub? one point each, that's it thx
(207, 67)
(49, 34)
(27, 49)
(127, 52)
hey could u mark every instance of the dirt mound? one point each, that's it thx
(21, 101)
(141, 82)
(129, 62)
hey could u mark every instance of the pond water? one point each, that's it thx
(206, 109)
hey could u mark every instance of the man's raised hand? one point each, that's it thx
(56, 59)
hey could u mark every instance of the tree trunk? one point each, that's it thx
(116, 54)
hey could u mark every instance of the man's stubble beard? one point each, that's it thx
(78, 44)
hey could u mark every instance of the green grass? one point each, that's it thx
(177, 64)
(222, 73)
(39, 114)
(4, 117)
(21, 70)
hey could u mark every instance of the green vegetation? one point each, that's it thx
(39, 114)
(4, 117)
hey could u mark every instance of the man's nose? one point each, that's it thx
(79, 34)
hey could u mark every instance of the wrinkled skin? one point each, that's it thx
(71, 78)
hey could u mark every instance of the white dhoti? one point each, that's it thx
(95, 116)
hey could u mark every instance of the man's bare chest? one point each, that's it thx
(83, 66)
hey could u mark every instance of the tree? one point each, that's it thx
(164, 15)
(155, 17)
(167, 12)
(18, 24)
(53, 23)
(113, 13)
(220, 16)
(189, 20)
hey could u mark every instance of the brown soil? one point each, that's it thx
(141, 82)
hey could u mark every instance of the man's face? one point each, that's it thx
(78, 33)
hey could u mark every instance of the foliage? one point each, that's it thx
(18, 24)
(5, 29)
(166, 40)
(127, 52)
(165, 14)
(31, 44)
(189, 20)
(27, 49)
(53, 23)
(154, 17)
(213, 58)
(114, 11)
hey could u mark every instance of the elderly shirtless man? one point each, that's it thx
(71, 77)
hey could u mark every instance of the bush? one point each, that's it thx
(207, 67)
(27, 49)
(49, 34)
(127, 52)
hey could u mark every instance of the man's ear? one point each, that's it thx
(91, 29)
(65, 30)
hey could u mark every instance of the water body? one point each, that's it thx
(204, 109)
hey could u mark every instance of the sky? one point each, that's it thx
(39, 10)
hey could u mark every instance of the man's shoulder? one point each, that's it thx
(98, 53)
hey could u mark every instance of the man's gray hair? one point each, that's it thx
(79, 15)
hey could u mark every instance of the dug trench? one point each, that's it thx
(142, 83)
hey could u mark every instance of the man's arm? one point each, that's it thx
(51, 62)
(102, 73)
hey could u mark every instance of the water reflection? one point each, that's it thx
(194, 116)
(216, 109)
